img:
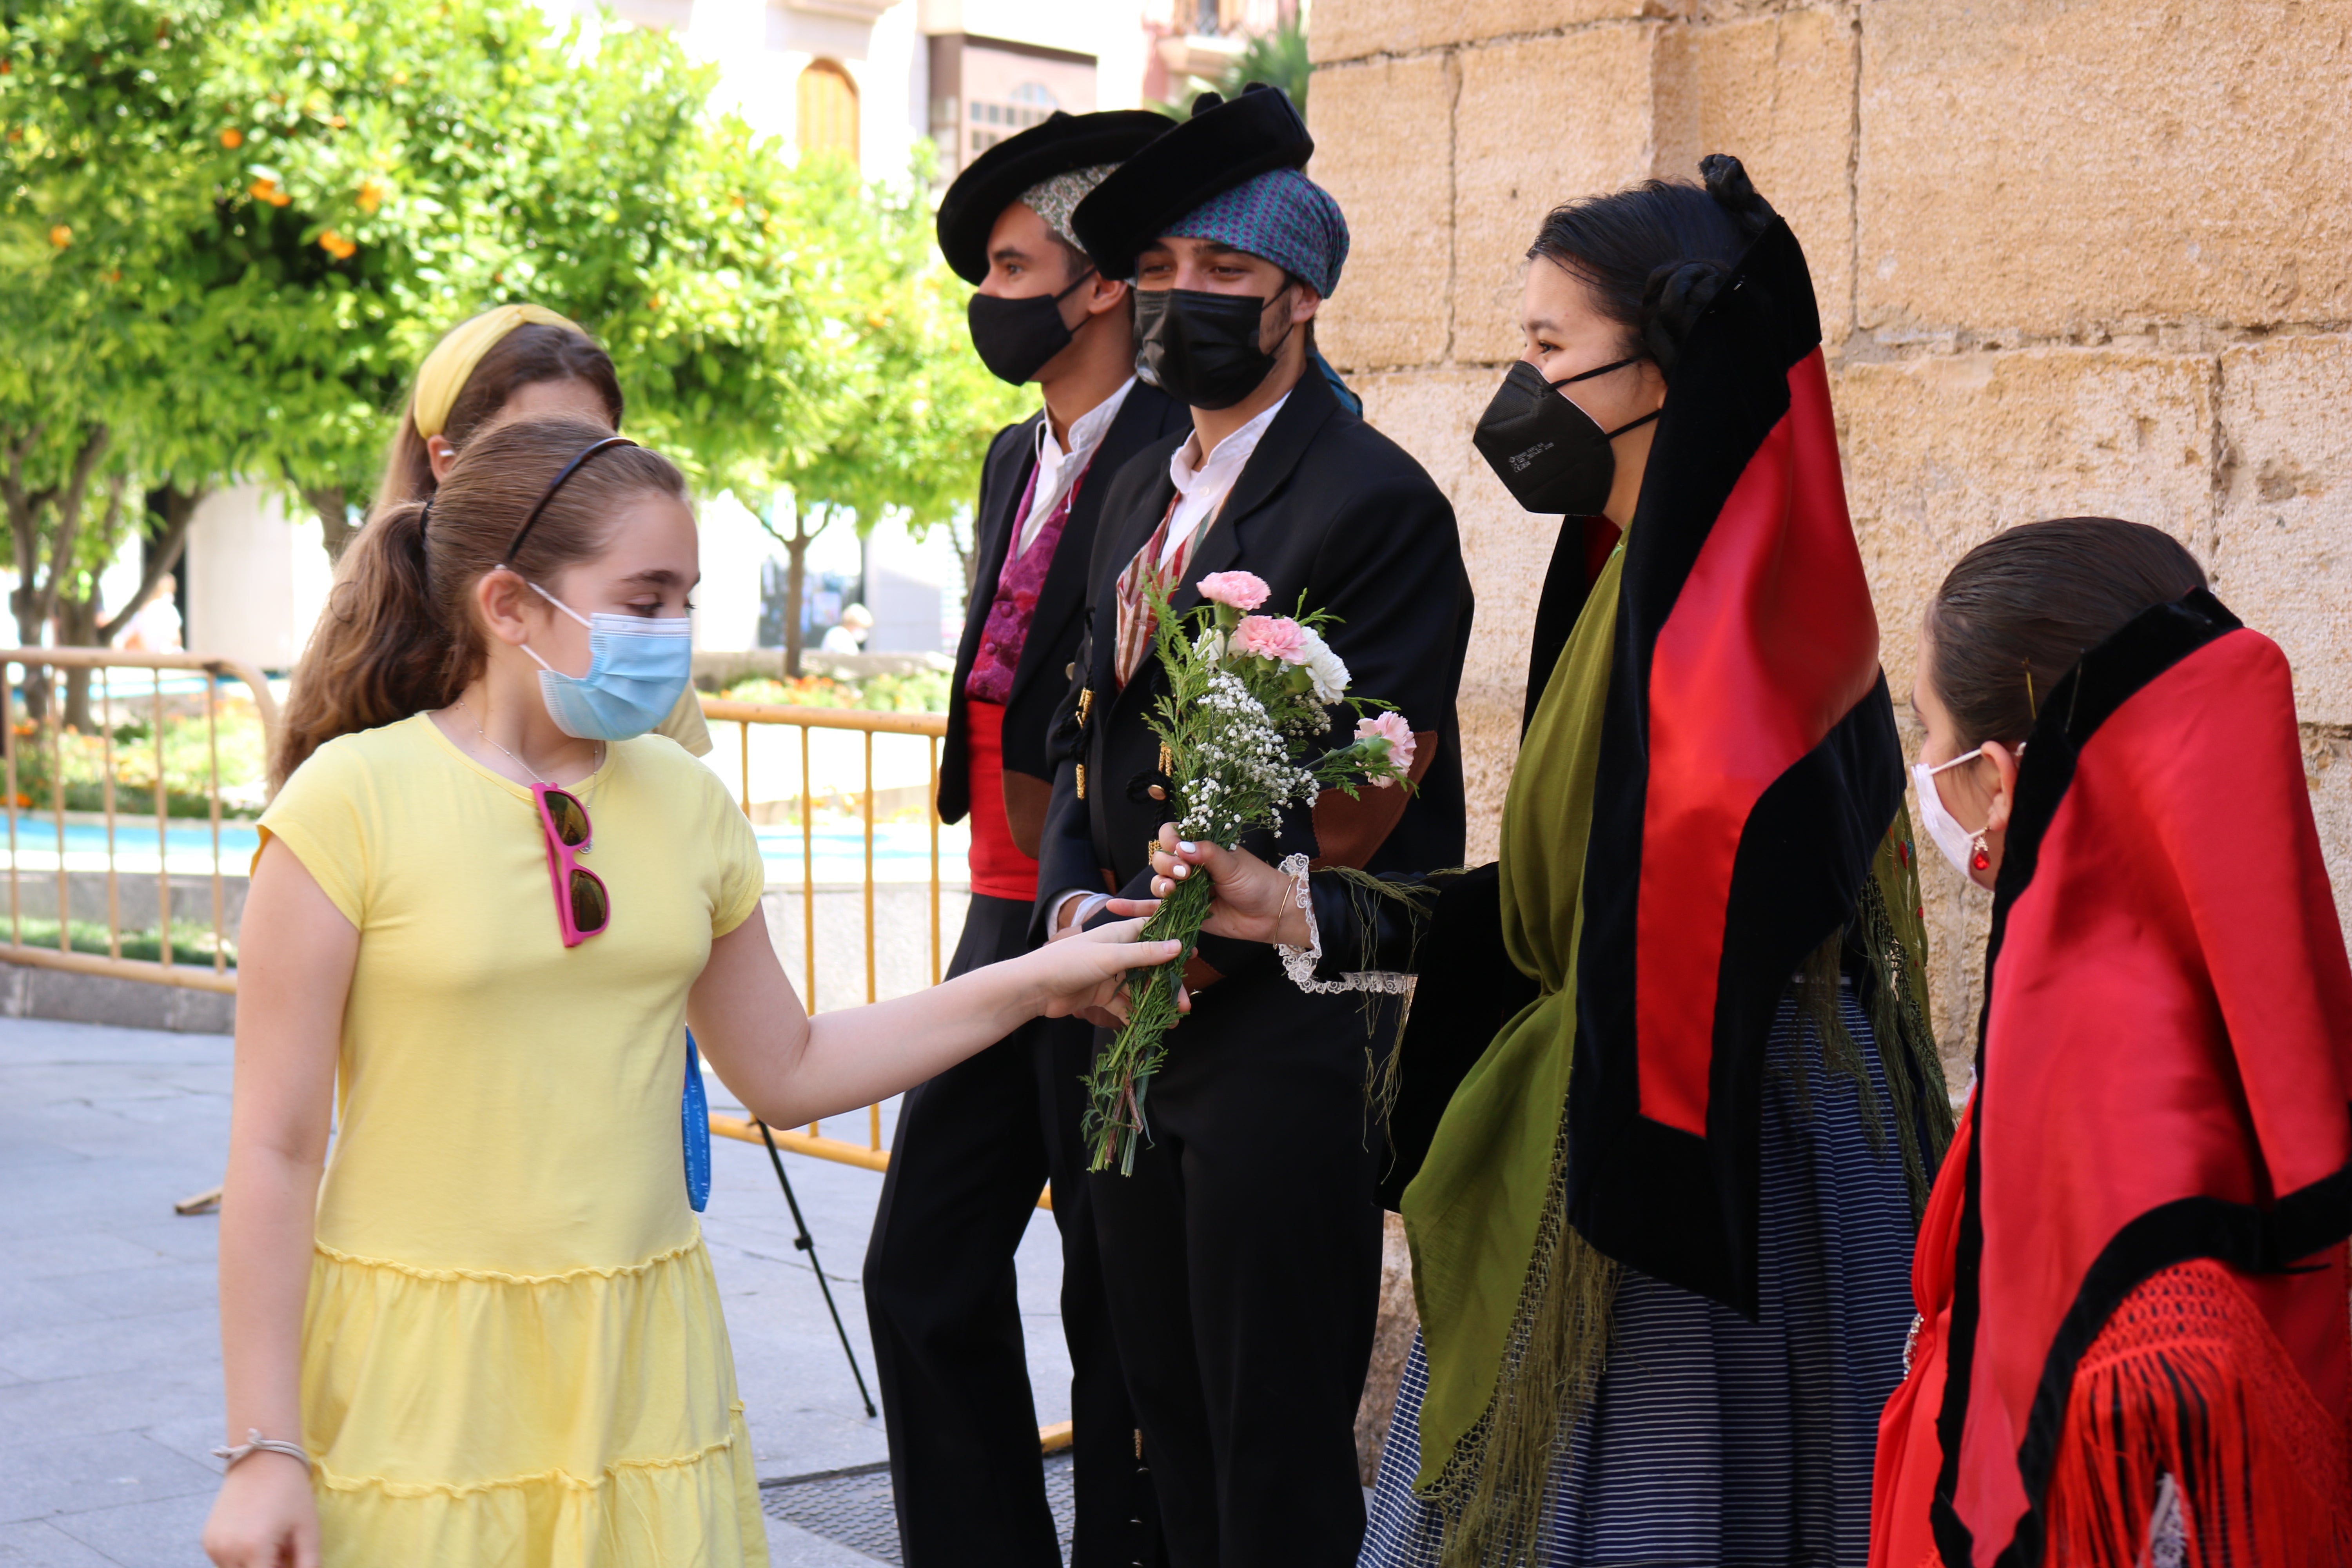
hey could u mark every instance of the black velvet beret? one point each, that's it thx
(998, 177)
(1227, 141)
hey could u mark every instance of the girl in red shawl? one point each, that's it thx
(2131, 1346)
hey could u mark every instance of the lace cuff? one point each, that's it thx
(1301, 963)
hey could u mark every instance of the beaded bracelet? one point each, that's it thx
(255, 1443)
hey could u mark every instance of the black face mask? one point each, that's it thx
(1015, 338)
(1548, 452)
(1202, 348)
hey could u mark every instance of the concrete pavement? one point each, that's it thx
(109, 1354)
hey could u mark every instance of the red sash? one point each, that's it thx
(999, 869)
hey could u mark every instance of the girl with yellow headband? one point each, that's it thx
(484, 1329)
(512, 361)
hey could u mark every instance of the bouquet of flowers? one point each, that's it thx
(1242, 728)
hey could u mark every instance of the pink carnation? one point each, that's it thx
(1244, 591)
(1269, 636)
(1390, 727)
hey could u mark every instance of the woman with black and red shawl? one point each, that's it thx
(2132, 1337)
(1666, 1071)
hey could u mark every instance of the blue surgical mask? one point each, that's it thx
(638, 669)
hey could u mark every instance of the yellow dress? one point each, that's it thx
(513, 1353)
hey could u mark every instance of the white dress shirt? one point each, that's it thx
(1058, 471)
(1203, 485)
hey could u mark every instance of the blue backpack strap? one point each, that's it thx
(694, 1128)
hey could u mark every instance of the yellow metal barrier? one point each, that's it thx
(36, 759)
(933, 726)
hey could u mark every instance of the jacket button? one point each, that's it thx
(1070, 670)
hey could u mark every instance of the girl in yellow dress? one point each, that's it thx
(485, 909)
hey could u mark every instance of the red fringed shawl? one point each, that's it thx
(2132, 1267)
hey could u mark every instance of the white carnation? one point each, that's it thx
(1325, 668)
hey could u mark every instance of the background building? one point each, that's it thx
(2092, 258)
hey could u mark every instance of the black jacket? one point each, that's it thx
(1042, 675)
(1327, 506)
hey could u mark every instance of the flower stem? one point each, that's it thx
(1122, 1073)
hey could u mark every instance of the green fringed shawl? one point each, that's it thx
(1515, 1305)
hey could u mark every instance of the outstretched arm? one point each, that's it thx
(788, 1068)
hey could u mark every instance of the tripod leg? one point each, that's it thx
(807, 1244)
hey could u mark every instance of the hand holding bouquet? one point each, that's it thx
(1243, 729)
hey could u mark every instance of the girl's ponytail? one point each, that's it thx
(379, 653)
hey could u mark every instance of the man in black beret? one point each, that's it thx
(976, 1144)
(1242, 1257)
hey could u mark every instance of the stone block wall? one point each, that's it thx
(2088, 256)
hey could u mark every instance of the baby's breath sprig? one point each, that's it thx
(1244, 725)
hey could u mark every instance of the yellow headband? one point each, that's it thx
(450, 365)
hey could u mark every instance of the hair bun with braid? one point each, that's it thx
(1678, 292)
(1677, 296)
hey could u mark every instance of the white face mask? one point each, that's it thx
(1959, 845)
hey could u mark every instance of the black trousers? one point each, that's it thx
(1241, 1260)
(974, 1148)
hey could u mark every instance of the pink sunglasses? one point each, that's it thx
(582, 909)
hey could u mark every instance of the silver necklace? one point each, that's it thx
(518, 761)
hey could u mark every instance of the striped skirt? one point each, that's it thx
(1712, 1441)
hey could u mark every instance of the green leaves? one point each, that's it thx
(232, 228)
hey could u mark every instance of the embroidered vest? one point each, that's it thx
(1018, 584)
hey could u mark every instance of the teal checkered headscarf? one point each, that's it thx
(1282, 215)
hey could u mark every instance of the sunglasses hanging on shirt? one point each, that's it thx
(582, 908)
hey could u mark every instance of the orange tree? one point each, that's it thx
(233, 227)
(102, 155)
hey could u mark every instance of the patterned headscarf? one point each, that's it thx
(1282, 215)
(1055, 199)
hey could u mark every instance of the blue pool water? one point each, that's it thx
(901, 850)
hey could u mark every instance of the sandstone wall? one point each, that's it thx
(2073, 256)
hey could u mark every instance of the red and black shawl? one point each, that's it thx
(2164, 1061)
(1749, 769)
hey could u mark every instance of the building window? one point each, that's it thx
(1029, 104)
(828, 111)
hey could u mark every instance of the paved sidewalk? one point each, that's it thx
(110, 1356)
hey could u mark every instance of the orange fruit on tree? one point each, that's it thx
(232, 138)
(61, 236)
(371, 198)
(336, 246)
